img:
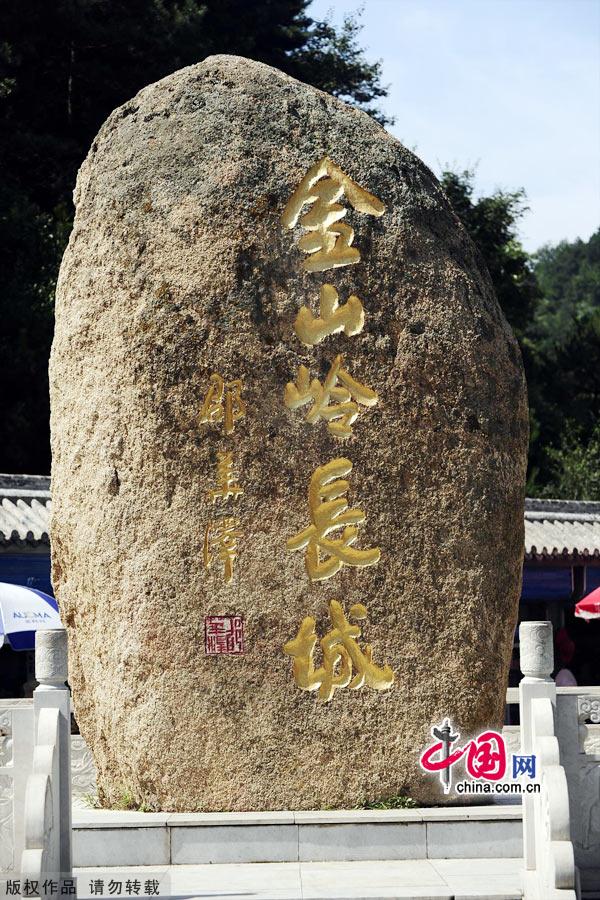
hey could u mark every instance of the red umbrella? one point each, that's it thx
(589, 607)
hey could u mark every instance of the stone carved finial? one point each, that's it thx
(537, 652)
(51, 669)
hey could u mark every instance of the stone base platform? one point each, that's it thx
(422, 879)
(109, 838)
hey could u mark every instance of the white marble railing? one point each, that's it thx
(17, 740)
(83, 769)
(16, 758)
(47, 853)
(41, 856)
(561, 726)
(35, 771)
(588, 712)
(578, 730)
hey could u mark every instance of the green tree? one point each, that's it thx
(552, 301)
(569, 278)
(574, 466)
(64, 66)
(492, 223)
(564, 344)
(333, 61)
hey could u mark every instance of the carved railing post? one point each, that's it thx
(549, 862)
(48, 798)
(52, 672)
(537, 663)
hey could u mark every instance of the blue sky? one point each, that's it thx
(511, 87)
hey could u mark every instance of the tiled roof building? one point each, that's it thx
(554, 529)
(562, 541)
(567, 529)
(561, 557)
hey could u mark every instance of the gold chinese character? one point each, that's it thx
(225, 479)
(344, 410)
(349, 318)
(223, 403)
(338, 647)
(329, 511)
(222, 535)
(328, 241)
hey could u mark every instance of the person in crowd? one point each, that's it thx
(565, 651)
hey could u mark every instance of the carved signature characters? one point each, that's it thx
(223, 403)
(226, 480)
(221, 539)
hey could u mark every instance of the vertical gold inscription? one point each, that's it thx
(221, 538)
(337, 404)
(226, 480)
(328, 241)
(349, 317)
(338, 647)
(329, 511)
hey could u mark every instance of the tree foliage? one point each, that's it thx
(333, 60)
(64, 66)
(569, 278)
(563, 342)
(574, 466)
(492, 222)
(552, 301)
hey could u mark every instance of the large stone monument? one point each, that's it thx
(289, 433)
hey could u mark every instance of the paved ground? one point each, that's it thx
(443, 879)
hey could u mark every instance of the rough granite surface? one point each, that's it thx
(178, 267)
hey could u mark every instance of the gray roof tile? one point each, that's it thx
(25, 508)
(562, 529)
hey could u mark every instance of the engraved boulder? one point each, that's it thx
(289, 432)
